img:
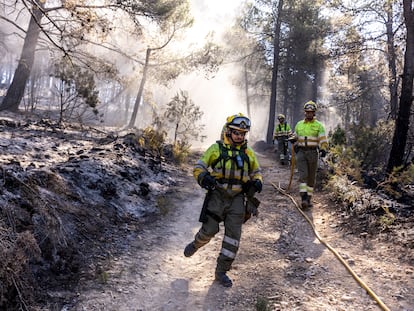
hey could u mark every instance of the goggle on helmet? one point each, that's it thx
(310, 106)
(239, 122)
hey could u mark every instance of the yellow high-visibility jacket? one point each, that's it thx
(311, 134)
(282, 130)
(220, 160)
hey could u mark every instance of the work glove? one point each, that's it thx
(256, 184)
(208, 182)
(322, 153)
(292, 139)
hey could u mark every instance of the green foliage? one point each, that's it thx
(396, 181)
(153, 140)
(343, 162)
(387, 219)
(338, 137)
(371, 145)
(76, 90)
(365, 154)
(181, 150)
(183, 114)
(155, 10)
(262, 304)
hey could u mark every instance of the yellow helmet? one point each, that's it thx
(310, 106)
(281, 116)
(238, 122)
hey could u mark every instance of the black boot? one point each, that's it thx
(304, 197)
(223, 279)
(190, 249)
(310, 204)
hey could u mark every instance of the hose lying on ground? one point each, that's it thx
(354, 275)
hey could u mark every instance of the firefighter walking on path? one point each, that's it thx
(282, 132)
(311, 142)
(230, 171)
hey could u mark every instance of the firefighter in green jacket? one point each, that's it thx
(229, 170)
(281, 134)
(311, 142)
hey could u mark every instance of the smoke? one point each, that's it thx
(213, 15)
(217, 97)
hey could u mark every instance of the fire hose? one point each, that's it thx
(337, 255)
(292, 167)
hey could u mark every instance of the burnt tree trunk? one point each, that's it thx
(273, 96)
(402, 122)
(15, 92)
(141, 89)
(392, 59)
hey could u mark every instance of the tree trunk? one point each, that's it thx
(140, 91)
(176, 133)
(15, 92)
(246, 90)
(403, 118)
(392, 67)
(273, 96)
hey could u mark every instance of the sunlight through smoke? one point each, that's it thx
(217, 97)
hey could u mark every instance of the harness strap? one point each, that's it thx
(224, 157)
(280, 128)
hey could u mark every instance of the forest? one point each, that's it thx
(120, 66)
(115, 64)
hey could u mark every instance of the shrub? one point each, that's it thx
(153, 140)
(338, 137)
(181, 150)
(371, 145)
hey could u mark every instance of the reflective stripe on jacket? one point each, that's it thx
(229, 177)
(311, 134)
(282, 130)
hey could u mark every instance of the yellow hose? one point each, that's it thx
(292, 167)
(354, 275)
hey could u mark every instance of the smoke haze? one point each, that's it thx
(218, 97)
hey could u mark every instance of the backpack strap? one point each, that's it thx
(223, 154)
(280, 126)
(224, 157)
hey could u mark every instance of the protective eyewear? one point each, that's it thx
(309, 107)
(238, 133)
(241, 122)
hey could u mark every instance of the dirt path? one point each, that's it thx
(280, 262)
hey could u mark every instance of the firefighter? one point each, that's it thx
(229, 170)
(311, 142)
(281, 134)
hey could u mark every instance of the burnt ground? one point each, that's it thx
(95, 222)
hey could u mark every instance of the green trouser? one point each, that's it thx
(307, 164)
(281, 148)
(230, 210)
